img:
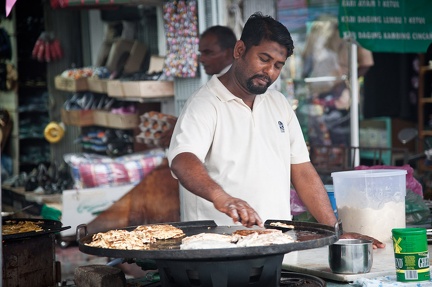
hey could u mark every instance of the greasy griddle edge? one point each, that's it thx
(170, 249)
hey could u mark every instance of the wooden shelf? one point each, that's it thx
(425, 133)
(425, 101)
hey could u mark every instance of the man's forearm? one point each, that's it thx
(193, 175)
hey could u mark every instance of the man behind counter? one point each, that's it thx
(237, 145)
(215, 47)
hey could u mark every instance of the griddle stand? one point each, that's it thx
(258, 271)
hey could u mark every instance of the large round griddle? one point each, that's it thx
(309, 235)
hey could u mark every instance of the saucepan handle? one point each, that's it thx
(338, 228)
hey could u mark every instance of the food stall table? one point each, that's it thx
(315, 262)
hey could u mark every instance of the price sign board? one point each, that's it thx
(400, 26)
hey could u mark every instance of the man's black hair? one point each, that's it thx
(225, 36)
(259, 27)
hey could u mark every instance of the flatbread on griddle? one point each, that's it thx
(246, 232)
(161, 231)
(137, 239)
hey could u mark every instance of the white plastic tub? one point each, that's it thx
(371, 202)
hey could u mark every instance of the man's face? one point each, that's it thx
(260, 66)
(213, 58)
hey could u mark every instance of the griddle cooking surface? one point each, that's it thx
(309, 235)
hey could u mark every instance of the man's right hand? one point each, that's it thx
(238, 209)
(194, 177)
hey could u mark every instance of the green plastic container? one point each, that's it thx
(411, 254)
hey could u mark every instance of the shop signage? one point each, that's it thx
(400, 26)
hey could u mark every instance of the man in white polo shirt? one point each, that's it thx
(237, 145)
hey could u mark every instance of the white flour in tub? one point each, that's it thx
(377, 223)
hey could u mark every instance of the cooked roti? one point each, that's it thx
(161, 231)
(139, 238)
(246, 232)
(207, 241)
(120, 239)
(280, 224)
(239, 238)
(208, 236)
(264, 239)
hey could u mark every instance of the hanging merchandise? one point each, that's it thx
(8, 77)
(181, 29)
(47, 48)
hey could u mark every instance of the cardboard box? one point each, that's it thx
(141, 89)
(136, 58)
(115, 88)
(155, 89)
(118, 121)
(71, 85)
(156, 64)
(97, 85)
(81, 206)
(123, 121)
(100, 118)
(78, 118)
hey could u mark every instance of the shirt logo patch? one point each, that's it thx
(281, 127)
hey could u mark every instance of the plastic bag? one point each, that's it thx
(416, 210)
(90, 170)
(297, 206)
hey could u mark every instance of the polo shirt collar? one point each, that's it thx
(223, 94)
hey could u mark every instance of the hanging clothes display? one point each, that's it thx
(181, 29)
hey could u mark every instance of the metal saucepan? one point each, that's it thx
(351, 256)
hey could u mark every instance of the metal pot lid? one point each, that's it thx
(309, 235)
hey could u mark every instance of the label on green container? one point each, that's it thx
(411, 254)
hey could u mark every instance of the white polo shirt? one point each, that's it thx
(248, 152)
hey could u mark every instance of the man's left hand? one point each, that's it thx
(352, 235)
